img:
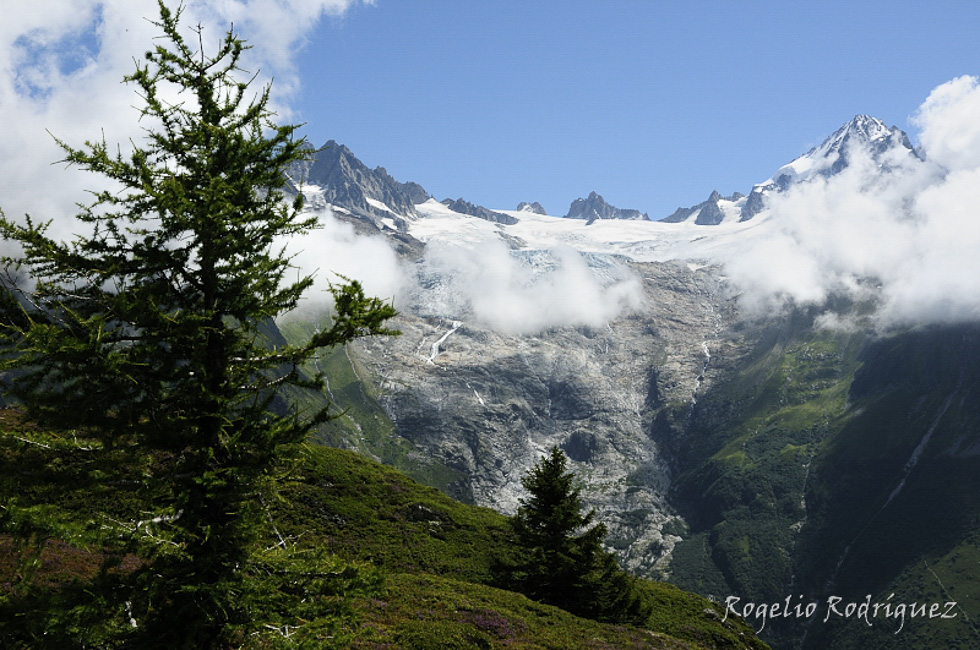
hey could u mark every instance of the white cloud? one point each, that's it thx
(827, 234)
(940, 278)
(335, 249)
(45, 90)
(950, 123)
(61, 67)
(275, 28)
(909, 235)
(487, 283)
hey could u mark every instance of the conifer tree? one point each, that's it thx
(147, 334)
(562, 560)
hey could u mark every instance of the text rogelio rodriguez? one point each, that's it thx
(836, 607)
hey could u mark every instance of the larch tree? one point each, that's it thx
(147, 334)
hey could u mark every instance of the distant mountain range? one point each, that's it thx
(335, 176)
(341, 180)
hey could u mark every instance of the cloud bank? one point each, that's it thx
(528, 294)
(61, 67)
(907, 236)
(335, 250)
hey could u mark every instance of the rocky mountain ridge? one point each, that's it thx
(884, 144)
(595, 207)
(708, 213)
(465, 207)
(335, 176)
(533, 208)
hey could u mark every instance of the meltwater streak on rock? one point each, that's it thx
(434, 348)
(914, 459)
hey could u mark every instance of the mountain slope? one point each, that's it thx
(331, 500)
(807, 450)
(839, 465)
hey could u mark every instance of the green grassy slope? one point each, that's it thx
(437, 554)
(840, 464)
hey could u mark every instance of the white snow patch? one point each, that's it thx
(379, 205)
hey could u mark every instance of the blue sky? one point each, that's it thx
(651, 104)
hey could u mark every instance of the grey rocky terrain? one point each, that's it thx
(489, 405)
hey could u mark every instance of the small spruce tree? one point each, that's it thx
(147, 335)
(561, 560)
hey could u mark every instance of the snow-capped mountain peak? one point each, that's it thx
(832, 155)
(862, 127)
(885, 145)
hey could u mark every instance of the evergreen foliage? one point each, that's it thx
(146, 336)
(562, 560)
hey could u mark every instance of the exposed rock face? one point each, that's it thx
(345, 183)
(465, 207)
(708, 212)
(348, 183)
(534, 208)
(489, 405)
(754, 204)
(681, 214)
(595, 207)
